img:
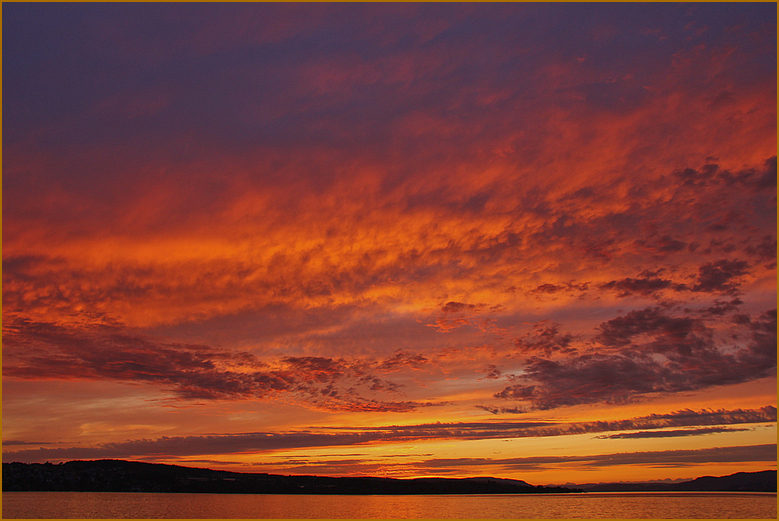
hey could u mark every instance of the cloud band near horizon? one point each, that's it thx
(325, 437)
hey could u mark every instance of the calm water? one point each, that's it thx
(651, 505)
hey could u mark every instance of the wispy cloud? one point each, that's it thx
(669, 434)
(670, 458)
(341, 436)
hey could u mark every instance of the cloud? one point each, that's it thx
(38, 350)
(687, 417)
(713, 277)
(458, 314)
(674, 354)
(669, 434)
(664, 459)
(191, 445)
(765, 251)
(501, 410)
(646, 286)
(761, 351)
(620, 331)
(365, 163)
(365, 174)
(615, 379)
(723, 307)
(493, 372)
(401, 360)
(155, 276)
(623, 378)
(545, 339)
(179, 446)
(20, 442)
(670, 458)
(648, 352)
(663, 245)
(456, 307)
(317, 368)
(718, 276)
(712, 174)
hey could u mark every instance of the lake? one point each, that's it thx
(138, 505)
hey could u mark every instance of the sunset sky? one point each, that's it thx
(531, 241)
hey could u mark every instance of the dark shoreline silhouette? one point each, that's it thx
(763, 481)
(133, 476)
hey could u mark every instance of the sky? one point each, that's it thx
(530, 241)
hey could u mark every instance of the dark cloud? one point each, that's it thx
(712, 174)
(645, 286)
(669, 458)
(400, 360)
(501, 410)
(587, 379)
(765, 251)
(718, 277)
(193, 445)
(768, 177)
(377, 384)
(493, 372)
(664, 245)
(679, 418)
(20, 442)
(545, 338)
(761, 351)
(669, 434)
(548, 288)
(649, 352)
(38, 350)
(621, 331)
(369, 405)
(683, 458)
(697, 178)
(457, 307)
(723, 307)
(46, 350)
(713, 277)
(22, 265)
(653, 353)
(317, 368)
(458, 314)
(560, 288)
(622, 378)
(340, 436)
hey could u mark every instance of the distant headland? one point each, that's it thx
(133, 476)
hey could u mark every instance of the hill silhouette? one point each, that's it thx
(764, 481)
(134, 476)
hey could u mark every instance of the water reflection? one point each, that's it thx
(644, 505)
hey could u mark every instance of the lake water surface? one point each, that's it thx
(646, 505)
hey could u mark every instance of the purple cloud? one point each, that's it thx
(36, 350)
(669, 458)
(178, 446)
(718, 277)
(545, 338)
(669, 434)
(673, 354)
